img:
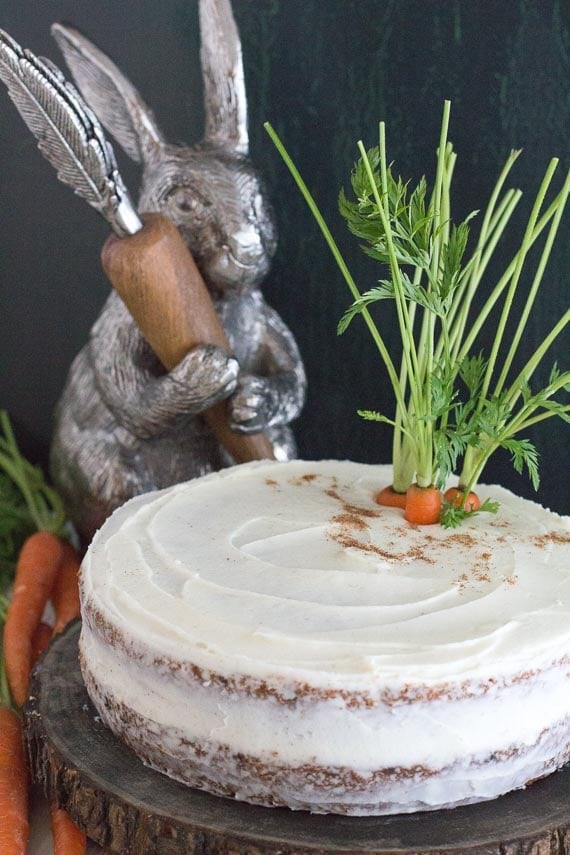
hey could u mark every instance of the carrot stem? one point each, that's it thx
(534, 287)
(409, 352)
(515, 278)
(495, 294)
(43, 503)
(338, 257)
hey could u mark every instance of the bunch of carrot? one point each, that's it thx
(423, 505)
(46, 570)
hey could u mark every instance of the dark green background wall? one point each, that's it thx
(324, 72)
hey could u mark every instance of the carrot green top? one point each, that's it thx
(453, 405)
(27, 504)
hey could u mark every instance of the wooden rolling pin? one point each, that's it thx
(157, 279)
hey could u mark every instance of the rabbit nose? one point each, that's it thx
(245, 245)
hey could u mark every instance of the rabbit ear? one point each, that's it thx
(112, 97)
(222, 69)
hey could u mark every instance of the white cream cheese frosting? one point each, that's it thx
(406, 647)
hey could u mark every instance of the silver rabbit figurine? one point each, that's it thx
(124, 426)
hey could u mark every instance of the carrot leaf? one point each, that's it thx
(523, 454)
(27, 503)
(453, 515)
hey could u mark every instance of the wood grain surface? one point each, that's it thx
(130, 809)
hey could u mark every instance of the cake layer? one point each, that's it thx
(273, 614)
(357, 787)
(324, 755)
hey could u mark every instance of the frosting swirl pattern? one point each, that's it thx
(270, 633)
(298, 570)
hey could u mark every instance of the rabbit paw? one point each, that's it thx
(205, 376)
(252, 405)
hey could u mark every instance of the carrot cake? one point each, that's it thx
(269, 633)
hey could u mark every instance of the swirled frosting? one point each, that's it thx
(270, 633)
(292, 569)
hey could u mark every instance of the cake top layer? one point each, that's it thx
(292, 570)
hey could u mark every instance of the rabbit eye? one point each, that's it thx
(184, 201)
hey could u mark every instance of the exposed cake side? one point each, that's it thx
(320, 640)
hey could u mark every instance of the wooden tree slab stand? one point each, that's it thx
(128, 808)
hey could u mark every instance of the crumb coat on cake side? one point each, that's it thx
(270, 633)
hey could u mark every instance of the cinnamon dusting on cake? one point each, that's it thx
(303, 480)
(418, 554)
(461, 583)
(350, 520)
(348, 541)
(354, 517)
(350, 508)
(345, 538)
(462, 539)
(479, 569)
(560, 537)
(482, 567)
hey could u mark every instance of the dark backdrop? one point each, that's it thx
(324, 72)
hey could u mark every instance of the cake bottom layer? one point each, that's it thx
(214, 767)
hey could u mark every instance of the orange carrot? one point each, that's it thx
(67, 839)
(455, 497)
(40, 641)
(423, 505)
(65, 596)
(14, 827)
(390, 498)
(36, 571)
